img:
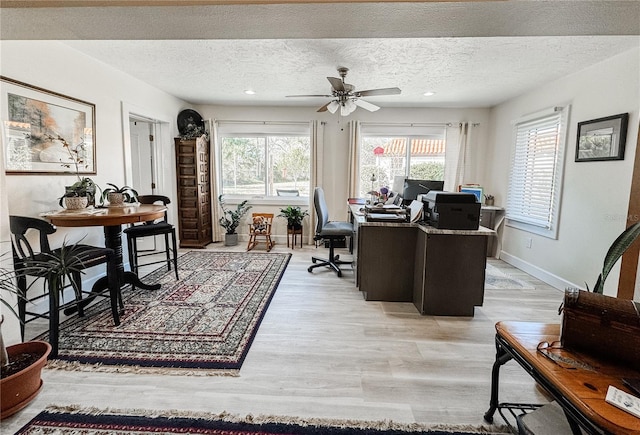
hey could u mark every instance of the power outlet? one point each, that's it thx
(528, 242)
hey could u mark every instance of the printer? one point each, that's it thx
(451, 210)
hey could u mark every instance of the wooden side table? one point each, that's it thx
(293, 234)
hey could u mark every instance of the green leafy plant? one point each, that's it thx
(57, 268)
(616, 250)
(83, 187)
(129, 194)
(230, 219)
(294, 216)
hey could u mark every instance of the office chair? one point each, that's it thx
(260, 227)
(151, 229)
(330, 231)
(78, 257)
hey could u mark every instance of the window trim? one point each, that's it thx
(259, 199)
(516, 221)
(392, 134)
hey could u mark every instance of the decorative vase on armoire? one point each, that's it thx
(194, 196)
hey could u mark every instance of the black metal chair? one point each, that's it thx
(29, 263)
(330, 231)
(151, 229)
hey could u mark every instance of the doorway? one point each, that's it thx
(143, 155)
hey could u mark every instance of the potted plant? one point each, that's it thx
(22, 363)
(84, 186)
(230, 220)
(117, 196)
(617, 248)
(294, 216)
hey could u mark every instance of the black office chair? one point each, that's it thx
(151, 229)
(330, 231)
(78, 257)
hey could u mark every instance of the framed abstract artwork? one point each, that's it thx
(602, 139)
(46, 132)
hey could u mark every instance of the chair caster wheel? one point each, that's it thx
(336, 257)
(310, 270)
(313, 260)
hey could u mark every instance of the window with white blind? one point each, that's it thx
(535, 181)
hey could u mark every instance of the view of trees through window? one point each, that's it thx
(261, 165)
(386, 157)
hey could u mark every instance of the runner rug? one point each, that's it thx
(75, 420)
(205, 321)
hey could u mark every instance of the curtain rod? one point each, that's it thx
(416, 124)
(233, 121)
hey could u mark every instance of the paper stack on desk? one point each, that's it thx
(623, 400)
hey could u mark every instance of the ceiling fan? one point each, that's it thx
(346, 98)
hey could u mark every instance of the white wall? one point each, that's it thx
(56, 67)
(595, 195)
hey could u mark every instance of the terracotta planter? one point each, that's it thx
(17, 390)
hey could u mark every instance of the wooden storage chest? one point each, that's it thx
(194, 195)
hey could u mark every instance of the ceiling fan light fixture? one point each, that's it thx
(333, 106)
(250, 92)
(429, 93)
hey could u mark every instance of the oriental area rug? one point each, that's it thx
(76, 420)
(203, 323)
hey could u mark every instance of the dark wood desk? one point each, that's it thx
(112, 219)
(413, 262)
(579, 388)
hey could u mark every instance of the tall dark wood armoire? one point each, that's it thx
(194, 195)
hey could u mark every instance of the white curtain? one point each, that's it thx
(316, 130)
(354, 158)
(456, 160)
(214, 156)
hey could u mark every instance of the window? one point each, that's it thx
(535, 180)
(263, 164)
(388, 156)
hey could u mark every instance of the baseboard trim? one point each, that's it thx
(543, 275)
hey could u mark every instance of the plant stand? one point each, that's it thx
(292, 233)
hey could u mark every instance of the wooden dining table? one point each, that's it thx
(111, 219)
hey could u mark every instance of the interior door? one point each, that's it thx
(143, 167)
(142, 156)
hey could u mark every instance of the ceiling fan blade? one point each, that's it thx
(324, 108)
(324, 96)
(374, 92)
(366, 105)
(336, 83)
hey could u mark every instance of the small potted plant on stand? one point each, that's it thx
(294, 216)
(230, 220)
(118, 196)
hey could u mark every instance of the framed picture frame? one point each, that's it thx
(36, 125)
(602, 139)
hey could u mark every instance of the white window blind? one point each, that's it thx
(535, 180)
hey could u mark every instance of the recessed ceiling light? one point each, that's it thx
(250, 92)
(429, 93)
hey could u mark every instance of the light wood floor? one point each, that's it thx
(323, 351)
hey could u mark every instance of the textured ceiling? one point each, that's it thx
(464, 72)
(472, 54)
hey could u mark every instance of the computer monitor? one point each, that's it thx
(413, 188)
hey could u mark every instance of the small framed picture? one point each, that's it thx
(602, 139)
